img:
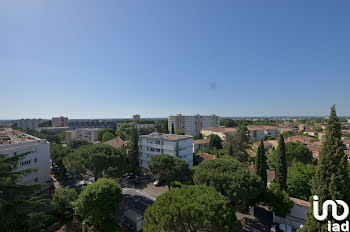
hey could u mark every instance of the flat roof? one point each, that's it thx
(166, 136)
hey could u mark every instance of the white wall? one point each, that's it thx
(184, 151)
(39, 159)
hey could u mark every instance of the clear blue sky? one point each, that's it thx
(112, 59)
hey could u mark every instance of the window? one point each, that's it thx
(36, 160)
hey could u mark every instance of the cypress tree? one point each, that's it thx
(257, 161)
(331, 181)
(281, 164)
(260, 163)
(230, 150)
(133, 146)
(172, 128)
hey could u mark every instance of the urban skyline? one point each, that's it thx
(160, 58)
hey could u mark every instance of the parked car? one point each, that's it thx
(281, 228)
(68, 176)
(136, 181)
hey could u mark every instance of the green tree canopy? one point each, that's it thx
(238, 145)
(230, 178)
(299, 180)
(58, 153)
(107, 136)
(169, 168)
(331, 179)
(19, 204)
(98, 202)
(178, 132)
(162, 126)
(281, 164)
(62, 201)
(278, 200)
(78, 143)
(227, 122)
(295, 152)
(99, 159)
(133, 147)
(191, 208)
(101, 132)
(198, 136)
(215, 141)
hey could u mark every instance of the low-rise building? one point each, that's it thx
(297, 215)
(303, 139)
(268, 146)
(116, 142)
(202, 157)
(13, 143)
(60, 122)
(53, 130)
(222, 132)
(310, 132)
(200, 143)
(87, 134)
(172, 144)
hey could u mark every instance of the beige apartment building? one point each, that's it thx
(60, 122)
(87, 134)
(192, 124)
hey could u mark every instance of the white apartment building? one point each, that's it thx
(60, 122)
(156, 143)
(29, 123)
(192, 124)
(255, 132)
(14, 143)
(88, 134)
(222, 132)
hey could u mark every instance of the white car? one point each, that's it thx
(282, 227)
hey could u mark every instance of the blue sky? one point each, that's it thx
(112, 59)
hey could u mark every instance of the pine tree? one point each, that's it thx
(281, 164)
(331, 179)
(18, 203)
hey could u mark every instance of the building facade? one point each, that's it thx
(60, 122)
(156, 143)
(92, 124)
(30, 124)
(200, 143)
(222, 132)
(136, 117)
(87, 134)
(14, 143)
(192, 124)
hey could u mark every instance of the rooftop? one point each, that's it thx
(201, 141)
(10, 136)
(116, 142)
(166, 136)
(300, 202)
(203, 157)
(220, 129)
